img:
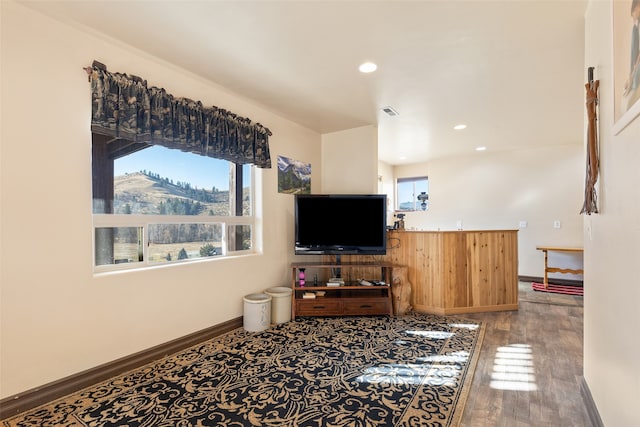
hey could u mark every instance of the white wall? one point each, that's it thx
(386, 185)
(498, 190)
(612, 248)
(350, 161)
(51, 302)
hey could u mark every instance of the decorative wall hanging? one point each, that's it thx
(626, 62)
(124, 107)
(590, 204)
(294, 177)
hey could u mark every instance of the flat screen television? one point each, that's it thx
(336, 224)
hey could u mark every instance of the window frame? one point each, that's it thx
(236, 179)
(414, 180)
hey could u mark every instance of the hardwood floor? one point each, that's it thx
(530, 368)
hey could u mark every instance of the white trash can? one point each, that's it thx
(280, 304)
(257, 312)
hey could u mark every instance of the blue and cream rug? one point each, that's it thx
(412, 370)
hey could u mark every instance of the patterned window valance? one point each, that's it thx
(124, 107)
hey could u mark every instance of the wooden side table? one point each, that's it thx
(547, 269)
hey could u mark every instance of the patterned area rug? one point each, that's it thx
(412, 370)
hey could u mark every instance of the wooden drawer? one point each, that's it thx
(318, 307)
(367, 306)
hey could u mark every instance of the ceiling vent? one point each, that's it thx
(390, 111)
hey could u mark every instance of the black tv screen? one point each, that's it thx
(334, 224)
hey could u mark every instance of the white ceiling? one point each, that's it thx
(512, 70)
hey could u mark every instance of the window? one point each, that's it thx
(412, 194)
(154, 205)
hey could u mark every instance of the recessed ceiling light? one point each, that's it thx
(481, 148)
(368, 67)
(460, 127)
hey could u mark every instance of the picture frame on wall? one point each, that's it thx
(626, 62)
(294, 176)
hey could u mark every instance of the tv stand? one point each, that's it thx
(348, 299)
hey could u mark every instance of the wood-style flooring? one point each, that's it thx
(530, 369)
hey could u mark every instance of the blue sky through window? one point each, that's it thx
(199, 171)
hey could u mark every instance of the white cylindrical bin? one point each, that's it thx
(280, 304)
(257, 312)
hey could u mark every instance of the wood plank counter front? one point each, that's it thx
(455, 272)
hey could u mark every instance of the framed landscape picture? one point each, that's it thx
(294, 176)
(626, 62)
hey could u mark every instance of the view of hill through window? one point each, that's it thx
(161, 181)
(146, 192)
(157, 181)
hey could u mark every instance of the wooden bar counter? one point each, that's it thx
(454, 272)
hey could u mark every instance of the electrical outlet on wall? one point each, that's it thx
(522, 224)
(557, 223)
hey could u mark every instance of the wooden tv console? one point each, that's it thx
(350, 299)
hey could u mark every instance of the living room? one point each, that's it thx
(59, 308)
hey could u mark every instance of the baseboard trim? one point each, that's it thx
(590, 404)
(30, 399)
(564, 282)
